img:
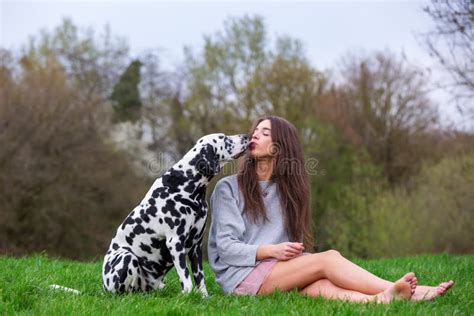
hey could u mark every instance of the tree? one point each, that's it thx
(382, 105)
(62, 184)
(91, 62)
(126, 96)
(452, 44)
(237, 77)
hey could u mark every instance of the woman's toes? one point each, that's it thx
(446, 285)
(409, 277)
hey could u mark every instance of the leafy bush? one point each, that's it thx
(435, 215)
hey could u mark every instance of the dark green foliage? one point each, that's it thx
(126, 94)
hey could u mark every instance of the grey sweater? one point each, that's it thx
(234, 238)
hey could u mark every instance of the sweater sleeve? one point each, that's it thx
(229, 228)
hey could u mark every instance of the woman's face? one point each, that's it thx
(261, 142)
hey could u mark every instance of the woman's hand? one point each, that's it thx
(283, 251)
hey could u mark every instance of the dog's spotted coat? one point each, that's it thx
(169, 222)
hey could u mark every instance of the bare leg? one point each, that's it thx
(305, 270)
(400, 290)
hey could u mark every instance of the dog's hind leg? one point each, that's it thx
(122, 273)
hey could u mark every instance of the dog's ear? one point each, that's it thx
(206, 161)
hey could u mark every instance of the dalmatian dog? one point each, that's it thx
(169, 222)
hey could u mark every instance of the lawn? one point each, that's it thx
(24, 289)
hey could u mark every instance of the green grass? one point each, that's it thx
(24, 290)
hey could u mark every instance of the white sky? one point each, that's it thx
(328, 29)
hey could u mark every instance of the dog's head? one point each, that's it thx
(212, 151)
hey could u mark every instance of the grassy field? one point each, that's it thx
(24, 290)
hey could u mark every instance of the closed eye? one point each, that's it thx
(265, 131)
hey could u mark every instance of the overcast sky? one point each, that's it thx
(328, 29)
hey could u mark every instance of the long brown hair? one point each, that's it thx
(289, 174)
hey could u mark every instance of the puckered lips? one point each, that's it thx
(252, 145)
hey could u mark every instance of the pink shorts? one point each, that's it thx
(252, 282)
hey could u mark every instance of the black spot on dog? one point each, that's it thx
(182, 261)
(122, 273)
(169, 207)
(128, 221)
(170, 222)
(115, 246)
(116, 261)
(145, 248)
(181, 227)
(192, 234)
(151, 211)
(107, 268)
(157, 243)
(138, 229)
(173, 179)
(183, 210)
(144, 216)
(161, 193)
(150, 231)
(129, 240)
(121, 288)
(205, 162)
(198, 278)
(190, 187)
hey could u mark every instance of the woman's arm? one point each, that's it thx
(228, 229)
(283, 251)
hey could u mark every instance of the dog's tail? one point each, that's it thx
(63, 288)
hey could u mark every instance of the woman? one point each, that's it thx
(260, 218)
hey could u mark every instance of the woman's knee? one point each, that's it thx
(325, 255)
(332, 253)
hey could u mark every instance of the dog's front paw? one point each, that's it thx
(187, 289)
(203, 291)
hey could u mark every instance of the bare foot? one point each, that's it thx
(400, 290)
(411, 278)
(428, 293)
